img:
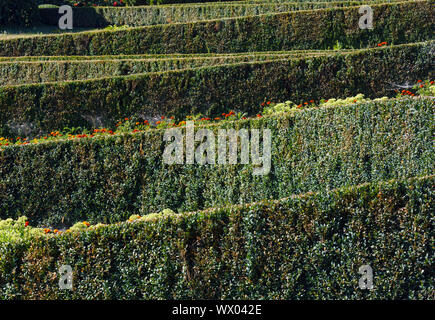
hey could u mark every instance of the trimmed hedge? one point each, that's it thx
(16, 72)
(210, 90)
(151, 15)
(18, 12)
(317, 29)
(136, 2)
(304, 247)
(109, 178)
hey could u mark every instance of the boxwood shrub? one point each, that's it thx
(211, 90)
(106, 179)
(308, 246)
(316, 29)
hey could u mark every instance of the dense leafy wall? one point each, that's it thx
(211, 90)
(105, 179)
(308, 246)
(316, 29)
(56, 69)
(150, 15)
(18, 12)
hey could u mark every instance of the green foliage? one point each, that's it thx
(110, 3)
(18, 12)
(425, 88)
(17, 231)
(349, 100)
(209, 90)
(56, 69)
(108, 178)
(151, 15)
(316, 29)
(282, 107)
(308, 246)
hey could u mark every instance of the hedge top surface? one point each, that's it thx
(168, 56)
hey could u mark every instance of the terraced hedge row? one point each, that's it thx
(317, 29)
(107, 179)
(42, 108)
(60, 69)
(308, 246)
(151, 15)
